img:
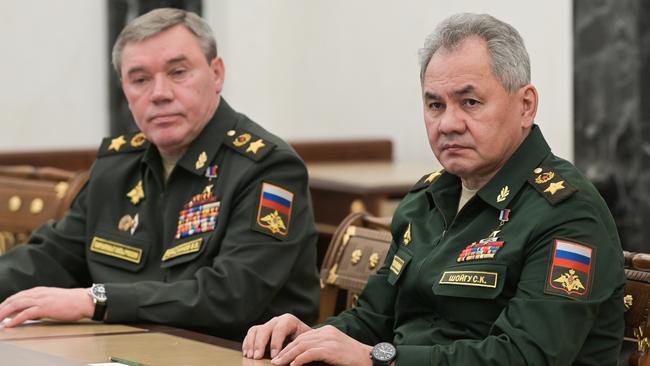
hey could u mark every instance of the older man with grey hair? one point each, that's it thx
(200, 220)
(508, 256)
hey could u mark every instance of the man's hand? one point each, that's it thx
(47, 302)
(327, 344)
(276, 330)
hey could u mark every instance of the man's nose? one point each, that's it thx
(162, 89)
(453, 120)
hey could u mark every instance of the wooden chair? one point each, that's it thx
(30, 196)
(357, 250)
(637, 305)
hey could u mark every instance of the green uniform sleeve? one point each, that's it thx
(249, 272)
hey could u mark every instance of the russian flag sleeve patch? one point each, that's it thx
(570, 269)
(274, 211)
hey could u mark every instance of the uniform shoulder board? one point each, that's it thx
(123, 143)
(249, 144)
(551, 185)
(426, 180)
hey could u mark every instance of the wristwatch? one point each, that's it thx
(98, 294)
(383, 354)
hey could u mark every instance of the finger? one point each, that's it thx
(27, 314)
(310, 355)
(278, 336)
(301, 344)
(16, 304)
(249, 340)
(261, 340)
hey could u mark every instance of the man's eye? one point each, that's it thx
(436, 105)
(178, 72)
(139, 80)
(471, 102)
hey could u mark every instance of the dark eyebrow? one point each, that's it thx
(172, 61)
(429, 95)
(465, 90)
(176, 60)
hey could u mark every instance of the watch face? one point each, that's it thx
(384, 351)
(99, 292)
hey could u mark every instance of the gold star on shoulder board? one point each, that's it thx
(136, 194)
(254, 146)
(554, 187)
(117, 143)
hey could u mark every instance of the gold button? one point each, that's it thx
(61, 188)
(14, 203)
(231, 133)
(36, 206)
(537, 171)
(357, 206)
(373, 261)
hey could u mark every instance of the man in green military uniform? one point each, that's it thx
(202, 220)
(507, 257)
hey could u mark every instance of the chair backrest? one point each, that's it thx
(357, 250)
(637, 305)
(31, 196)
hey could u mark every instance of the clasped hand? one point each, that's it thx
(326, 344)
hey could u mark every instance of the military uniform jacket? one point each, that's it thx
(227, 242)
(529, 272)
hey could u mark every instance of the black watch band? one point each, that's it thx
(100, 311)
(98, 293)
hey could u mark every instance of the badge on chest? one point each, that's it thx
(199, 215)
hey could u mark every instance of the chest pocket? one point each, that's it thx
(120, 251)
(477, 280)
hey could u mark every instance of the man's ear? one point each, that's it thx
(528, 98)
(218, 70)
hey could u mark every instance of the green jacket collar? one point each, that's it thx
(204, 148)
(505, 185)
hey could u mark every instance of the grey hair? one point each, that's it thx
(509, 58)
(159, 20)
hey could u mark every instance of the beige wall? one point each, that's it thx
(340, 68)
(304, 69)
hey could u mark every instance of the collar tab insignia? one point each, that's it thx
(505, 192)
(201, 160)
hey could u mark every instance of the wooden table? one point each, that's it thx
(81, 343)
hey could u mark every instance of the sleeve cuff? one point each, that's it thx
(121, 304)
(408, 355)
